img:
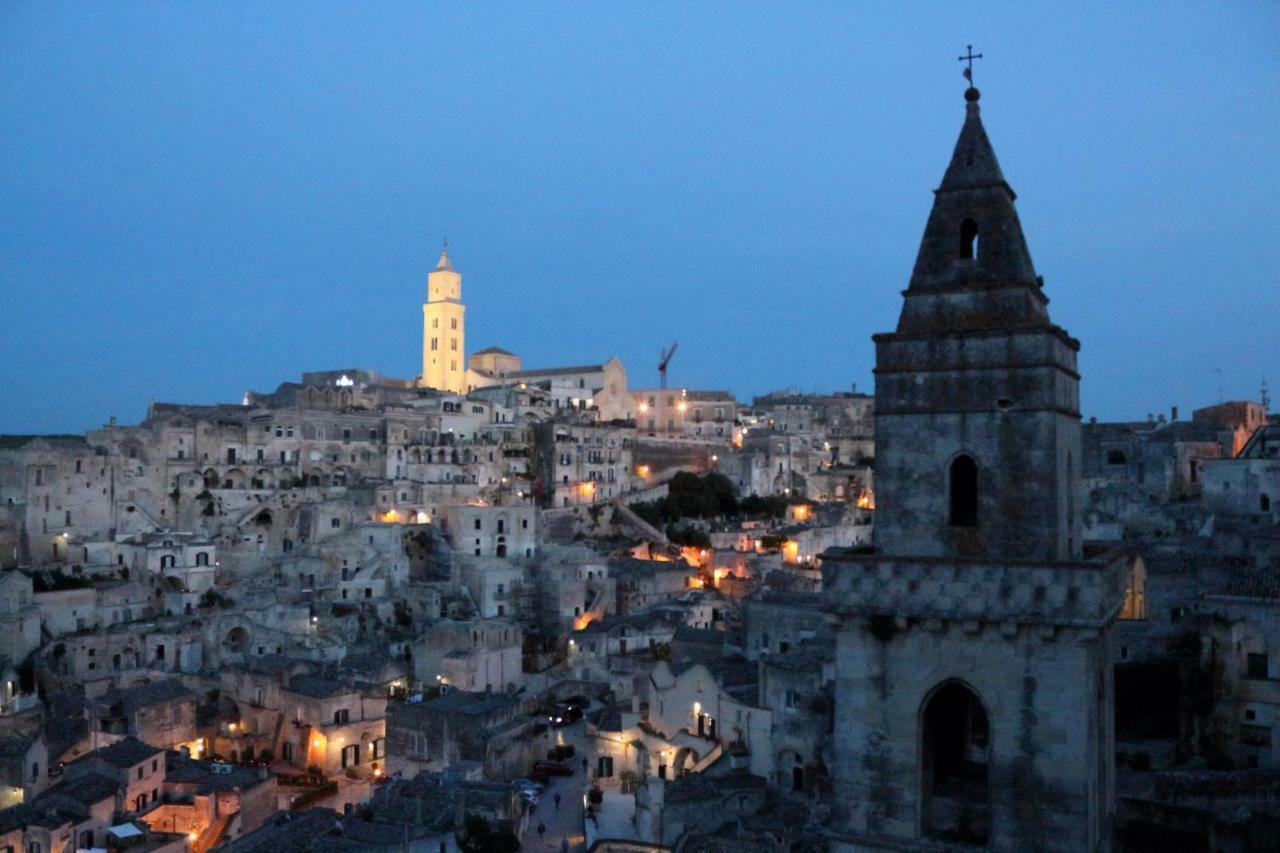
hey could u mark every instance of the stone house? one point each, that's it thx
(493, 531)
(707, 416)
(495, 585)
(137, 769)
(712, 705)
(184, 561)
(842, 482)
(796, 687)
(696, 608)
(602, 639)
(577, 462)
(20, 619)
(780, 621)
(74, 814)
(341, 725)
(212, 802)
(668, 809)
(574, 588)
(1245, 637)
(1248, 484)
(64, 489)
(643, 583)
(470, 654)
(305, 718)
(161, 713)
(429, 810)
(123, 656)
(1235, 423)
(748, 470)
(24, 769)
(454, 726)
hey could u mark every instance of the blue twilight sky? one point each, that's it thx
(199, 198)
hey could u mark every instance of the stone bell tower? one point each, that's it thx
(444, 354)
(974, 687)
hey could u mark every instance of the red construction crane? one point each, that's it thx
(662, 365)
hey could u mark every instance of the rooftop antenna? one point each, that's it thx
(969, 57)
(1266, 395)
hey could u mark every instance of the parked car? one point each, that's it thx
(561, 752)
(551, 768)
(528, 784)
(564, 714)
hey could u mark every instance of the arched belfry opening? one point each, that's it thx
(955, 774)
(968, 240)
(962, 485)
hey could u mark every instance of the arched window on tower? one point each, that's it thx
(968, 240)
(963, 491)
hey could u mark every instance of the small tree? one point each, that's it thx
(478, 837)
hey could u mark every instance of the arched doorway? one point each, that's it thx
(790, 771)
(955, 775)
(685, 760)
(238, 640)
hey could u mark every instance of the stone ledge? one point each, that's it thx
(972, 591)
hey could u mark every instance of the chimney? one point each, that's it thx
(1162, 418)
(1151, 418)
(1173, 413)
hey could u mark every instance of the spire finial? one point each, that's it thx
(971, 94)
(443, 263)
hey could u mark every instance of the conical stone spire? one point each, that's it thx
(973, 270)
(973, 163)
(444, 263)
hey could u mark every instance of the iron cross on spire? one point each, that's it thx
(969, 57)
